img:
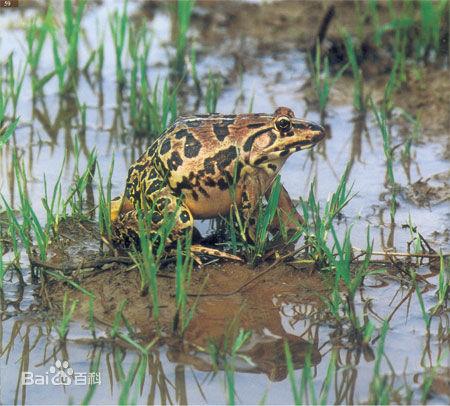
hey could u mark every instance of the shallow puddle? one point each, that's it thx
(282, 306)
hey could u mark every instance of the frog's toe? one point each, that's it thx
(200, 249)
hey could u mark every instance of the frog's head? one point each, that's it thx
(282, 136)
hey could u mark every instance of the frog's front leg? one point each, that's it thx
(288, 215)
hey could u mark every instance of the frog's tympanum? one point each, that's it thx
(202, 164)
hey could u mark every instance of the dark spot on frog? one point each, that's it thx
(154, 186)
(165, 147)
(273, 167)
(223, 184)
(194, 123)
(284, 152)
(255, 125)
(249, 143)
(162, 202)
(156, 218)
(222, 159)
(202, 191)
(152, 149)
(210, 182)
(184, 216)
(194, 195)
(192, 146)
(261, 160)
(221, 131)
(181, 134)
(175, 161)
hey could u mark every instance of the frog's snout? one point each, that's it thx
(318, 133)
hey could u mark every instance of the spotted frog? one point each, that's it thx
(203, 164)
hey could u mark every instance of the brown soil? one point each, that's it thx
(225, 302)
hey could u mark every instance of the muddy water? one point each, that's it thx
(48, 131)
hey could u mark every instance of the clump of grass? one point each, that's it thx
(104, 202)
(380, 390)
(264, 220)
(358, 91)
(7, 131)
(118, 25)
(183, 273)
(2, 266)
(213, 90)
(224, 356)
(36, 34)
(15, 86)
(318, 222)
(184, 11)
(152, 248)
(322, 79)
(443, 285)
(381, 118)
(67, 314)
(304, 392)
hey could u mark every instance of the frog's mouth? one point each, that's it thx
(306, 140)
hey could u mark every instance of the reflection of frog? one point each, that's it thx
(201, 158)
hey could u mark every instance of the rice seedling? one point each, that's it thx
(380, 392)
(194, 73)
(152, 249)
(322, 79)
(264, 219)
(15, 86)
(183, 273)
(137, 372)
(317, 223)
(380, 115)
(104, 201)
(2, 266)
(358, 91)
(154, 109)
(72, 28)
(7, 131)
(100, 59)
(67, 314)
(81, 180)
(53, 205)
(184, 11)
(35, 36)
(93, 370)
(213, 90)
(305, 391)
(118, 24)
(425, 315)
(443, 284)
(432, 15)
(225, 357)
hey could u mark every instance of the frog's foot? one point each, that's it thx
(200, 249)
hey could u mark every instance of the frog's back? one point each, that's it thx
(185, 145)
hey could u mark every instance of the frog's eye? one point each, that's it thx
(283, 124)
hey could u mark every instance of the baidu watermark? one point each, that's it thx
(61, 374)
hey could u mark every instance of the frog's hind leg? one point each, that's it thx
(167, 203)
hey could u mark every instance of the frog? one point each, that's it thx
(202, 165)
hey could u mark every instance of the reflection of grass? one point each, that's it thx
(67, 314)
(118, 24)
(305, 392)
